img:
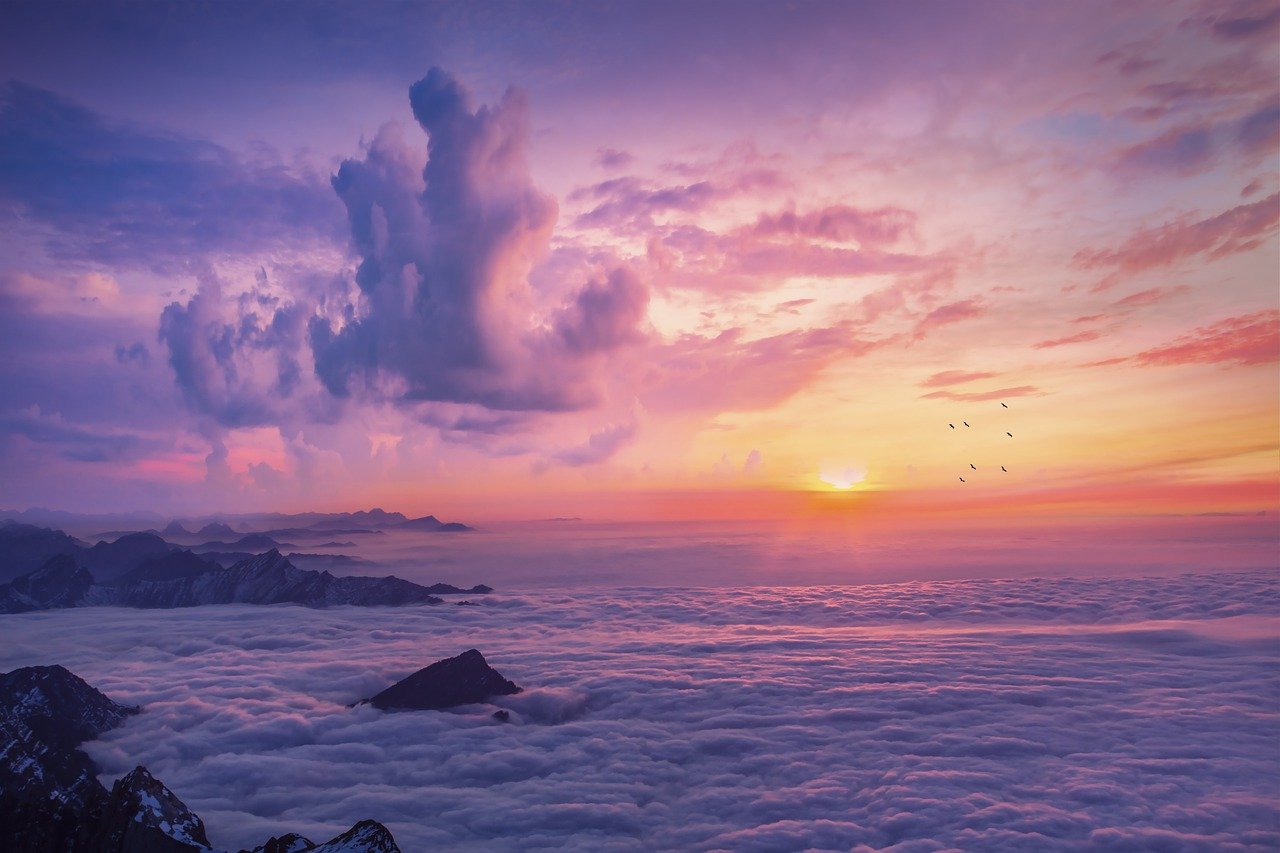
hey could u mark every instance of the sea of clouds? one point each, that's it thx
(1121, 713)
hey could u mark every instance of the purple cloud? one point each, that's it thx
(110, 192)
(446, 311)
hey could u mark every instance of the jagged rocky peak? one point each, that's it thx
(290, 842)
(367, 836)
(142, 814)
(461, 680)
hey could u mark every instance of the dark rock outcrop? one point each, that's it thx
(461, 680)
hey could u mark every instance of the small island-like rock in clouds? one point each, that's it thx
(462, 680)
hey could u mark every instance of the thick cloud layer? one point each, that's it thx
(447, 312)
(1009, 715)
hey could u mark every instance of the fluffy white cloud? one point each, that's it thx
(1015, 714)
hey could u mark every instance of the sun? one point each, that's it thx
(842, 477)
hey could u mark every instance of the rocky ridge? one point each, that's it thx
(263, 579)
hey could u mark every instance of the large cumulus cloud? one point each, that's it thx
(446, 312)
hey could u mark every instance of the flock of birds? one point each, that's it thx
(971, 465)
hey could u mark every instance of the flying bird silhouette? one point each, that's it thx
(974, 467)
(1002, 468)
(966, 423)
(1009, 434)
(1006, 405)
(962, 479)
(953, 426)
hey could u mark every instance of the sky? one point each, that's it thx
(658, 260)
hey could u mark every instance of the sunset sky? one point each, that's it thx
(663, 259)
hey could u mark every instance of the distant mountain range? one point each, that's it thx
(25, 548)
(182, 579)
(52, 802)
(226, 527)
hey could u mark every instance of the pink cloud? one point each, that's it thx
(840, 223)
(1247, 339)
(954, 377)
(1181, 151)
(1078, 338)
(1236, 230)
(983, 396)
(726, 373)
(1150, 296)
(695, 258)
(952, 312)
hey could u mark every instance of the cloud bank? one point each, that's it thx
(1005, 715)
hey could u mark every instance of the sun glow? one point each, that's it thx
(842, 477)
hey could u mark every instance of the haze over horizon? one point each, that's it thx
(521, 261)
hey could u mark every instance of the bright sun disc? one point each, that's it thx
(842, 478)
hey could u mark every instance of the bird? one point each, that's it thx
(974, 467)
(962, 479)
(1006, 405)
(1002, 468)
(966, 423)
(1009, 434)
(953, 426)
